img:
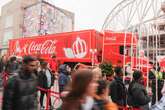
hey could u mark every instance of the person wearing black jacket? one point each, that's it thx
(3, 63)
(12, 65)
(160, 82)
(137, 95)
(46, 81)
(118, 91)
(20, 92)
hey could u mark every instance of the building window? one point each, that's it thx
(7, 35)
(9, 21)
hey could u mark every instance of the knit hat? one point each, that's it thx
(137, 75)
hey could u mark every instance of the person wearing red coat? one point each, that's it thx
(53, 64)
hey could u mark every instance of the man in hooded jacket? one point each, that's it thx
(63, 77)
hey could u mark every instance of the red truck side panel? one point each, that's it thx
(69, 47)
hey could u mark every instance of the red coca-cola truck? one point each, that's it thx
(87, 46)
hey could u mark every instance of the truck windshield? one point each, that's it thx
(127, 51)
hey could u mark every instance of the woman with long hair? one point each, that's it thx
(83, 88)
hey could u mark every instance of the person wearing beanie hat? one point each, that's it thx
(137, 95)
(118, 91)
(137, 75)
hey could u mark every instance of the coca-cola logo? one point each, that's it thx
(113, 38)
(17, 47)
(78, 49)
(46, 47)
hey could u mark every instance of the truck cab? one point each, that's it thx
(121, 48)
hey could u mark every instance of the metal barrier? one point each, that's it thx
(50, 93)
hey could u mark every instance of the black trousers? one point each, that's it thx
(42, 97)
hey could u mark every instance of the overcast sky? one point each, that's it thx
(89, 14)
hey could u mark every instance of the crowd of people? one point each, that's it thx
(80, 88)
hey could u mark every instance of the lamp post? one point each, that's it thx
(93, 52)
